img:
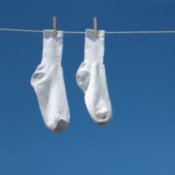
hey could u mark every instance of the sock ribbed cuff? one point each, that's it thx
(52, 47)
(94, 45)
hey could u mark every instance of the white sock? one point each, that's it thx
(91, 78)
(48, 83)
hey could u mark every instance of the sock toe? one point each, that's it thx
(102, 115)
(59, 126)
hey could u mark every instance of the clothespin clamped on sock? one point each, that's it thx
(54, 26)
(95, 26)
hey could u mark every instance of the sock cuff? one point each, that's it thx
(94, 45)
(52, 47)
(91, 34)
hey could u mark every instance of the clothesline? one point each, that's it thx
(79, 32)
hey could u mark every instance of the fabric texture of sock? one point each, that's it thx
(91, 78)
(48, 83)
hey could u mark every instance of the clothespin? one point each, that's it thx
(95, 26)
(54, 26)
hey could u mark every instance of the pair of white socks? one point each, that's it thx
(48, 81)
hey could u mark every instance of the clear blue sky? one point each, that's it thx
(140, 140)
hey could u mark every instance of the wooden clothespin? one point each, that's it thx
(95, 26)
(55, 26)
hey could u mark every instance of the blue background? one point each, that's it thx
(140, 140)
